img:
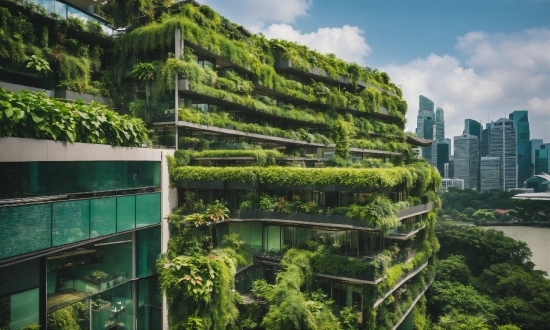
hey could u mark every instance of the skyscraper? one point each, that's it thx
(502, 143)
(425, 103)
(542, 159)
(523, 145)
(466, 160)
(441, 149)
(424, 129)
(490, 177)
(485, 141)
(439, 124)
(535, 145)
(472, 127)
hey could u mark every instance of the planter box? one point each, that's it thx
(18, 88)
(240, 185)
(183, 85)
(214, 184)
(73, 96)
(301, 217)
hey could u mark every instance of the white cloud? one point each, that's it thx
(255, 14)
(501, 73)
(346, 42)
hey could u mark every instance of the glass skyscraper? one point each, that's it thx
(523, 145)
(425, 103)
(490, 169)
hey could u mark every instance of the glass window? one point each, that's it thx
(250, 232)
(71, 222)
(10, 180)
(19, 310)
(34, 179)
(103, 212)
(80, 272)
(150, 304)
(147, 209)
(105, 176)
(272, 244)
(126, 213)
(121, 175)
(62, 178)
(24, 229)
(75, 316)
(85, 176)
(148, 245)
(113, 309)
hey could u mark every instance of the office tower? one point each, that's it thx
(451, 167)
(535, 145)
(440, 154)
(466, 160)
(439, 124)
(485, 142)
(425, 104)
(542, 159)
(490, 173)
(523, 145)
(425, 130)
(502, 143)
(81, 224)
(473, 127)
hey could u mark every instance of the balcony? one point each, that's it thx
(87, 98)
(316, 73)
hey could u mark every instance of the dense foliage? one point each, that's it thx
(486, 281)
(34, 115)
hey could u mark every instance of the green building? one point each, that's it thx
(297, 156)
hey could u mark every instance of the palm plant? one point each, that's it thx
(198, 219)
(217, 211)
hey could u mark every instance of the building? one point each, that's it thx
(447, 183)
(502, 143)
(485, 141)
(535, 145)
(490, 173)
(425, 104)
(539, 183)
(542, 159)
(466, 160)
(523, 145)
(80, 226)
(441, 150)
(439, 125)
(83, 225)
(425, 130)
(451, 167)
(473, 127)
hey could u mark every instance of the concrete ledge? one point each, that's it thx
(73, 96)
(18, 88)
(15, 149)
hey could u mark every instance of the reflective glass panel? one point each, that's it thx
(147, 209)
(126, 213)
(148, 245)
(24, 229)
(103, 212)
(71, 222)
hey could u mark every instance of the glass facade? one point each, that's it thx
(19, 310)
(31, 179)
(30, 228)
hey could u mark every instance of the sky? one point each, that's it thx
(479, 59)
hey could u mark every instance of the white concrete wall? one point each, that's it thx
(31, 150)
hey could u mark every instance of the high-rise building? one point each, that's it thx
(490, 173)
(425, 103)
(441, 150)
(535, 145)
(83, 225)
(502, 143)
(542, 159)
(466, 160)
(451, 167)
(472, 127)
(425, 130)
(523, 145)
(485, 142)
(439, 124)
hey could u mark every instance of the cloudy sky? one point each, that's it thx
(479, 59)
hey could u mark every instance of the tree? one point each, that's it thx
(454, 269)
(484, 215)
(217, 211)
(446, 297)
(457, 321)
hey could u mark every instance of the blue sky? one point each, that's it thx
(474, 58)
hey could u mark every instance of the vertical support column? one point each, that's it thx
(43, 293)
(178, 53)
